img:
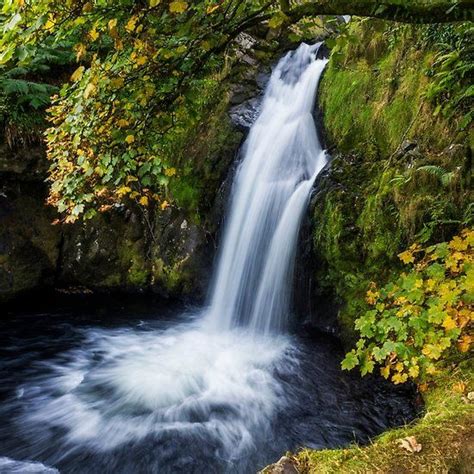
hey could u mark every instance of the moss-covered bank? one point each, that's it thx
(397, 111)
(402, 161)
(445, 433)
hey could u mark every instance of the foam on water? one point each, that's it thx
(124, 385)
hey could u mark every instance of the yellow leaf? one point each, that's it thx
(131, 24)
(80, 51)
(87, 7)
(406, 257)
(89, 90)
(178, 6)
(414, 371)
(141, 60)
(154, 3)
(464, 343)
(399, 378)
(77, 74)
(170, 171)
(122, 191)
(458, 243)
(144, 201)
(49, 24)
(93, 34)
(164, 205)
(130, 139)
(449, 323)
(212, 9)
(459, 387)
(410, 444)
(385, 371)
(122, 123)
(431, 369)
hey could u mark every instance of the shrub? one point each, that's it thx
(422, 316)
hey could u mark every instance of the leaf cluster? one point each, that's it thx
(417, 320)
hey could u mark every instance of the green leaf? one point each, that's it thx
(350, 361)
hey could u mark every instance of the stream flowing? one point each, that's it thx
(222, 389)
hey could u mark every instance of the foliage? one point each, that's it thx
(25, 90)
(451, 88)
(418, 319)
(142, 70)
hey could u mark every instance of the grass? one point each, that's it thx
(445, 431)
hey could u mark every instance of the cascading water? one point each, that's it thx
(282, 157)
(219, 390)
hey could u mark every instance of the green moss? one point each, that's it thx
(376, 202)
(203, 155)
(445, 432)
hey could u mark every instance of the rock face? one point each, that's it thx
(166, 252)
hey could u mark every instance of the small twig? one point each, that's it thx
(403, 137)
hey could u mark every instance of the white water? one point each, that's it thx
(210, 384)
(282, 157)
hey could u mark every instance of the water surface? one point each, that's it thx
(102, 386)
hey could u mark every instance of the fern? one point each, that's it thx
(445, 177)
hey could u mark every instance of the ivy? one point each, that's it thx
(426, 313)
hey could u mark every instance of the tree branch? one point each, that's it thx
(408, 11)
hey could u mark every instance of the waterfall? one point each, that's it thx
(281, 158)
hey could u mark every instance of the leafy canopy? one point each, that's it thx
(142, 69)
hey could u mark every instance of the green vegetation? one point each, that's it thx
(397, 108)
(402, 168)
(146, 73)
(419, 318)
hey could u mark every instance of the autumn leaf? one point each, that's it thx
(178, 6)
(77, 74)
(80, 51)
(164, 205)
(131, 24)
(170, 171)
(89, 90)
(406, 257)
(464, 343)
(144, 201)
(122, 191)
(122, 123)
(449, 323)
(459, 387)
(399, 378)
(212, 9)
(94, 34)
(385, 371)
(130, 139)
(410, 444)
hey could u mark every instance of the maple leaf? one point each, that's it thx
(449, 323)
(407, 257)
